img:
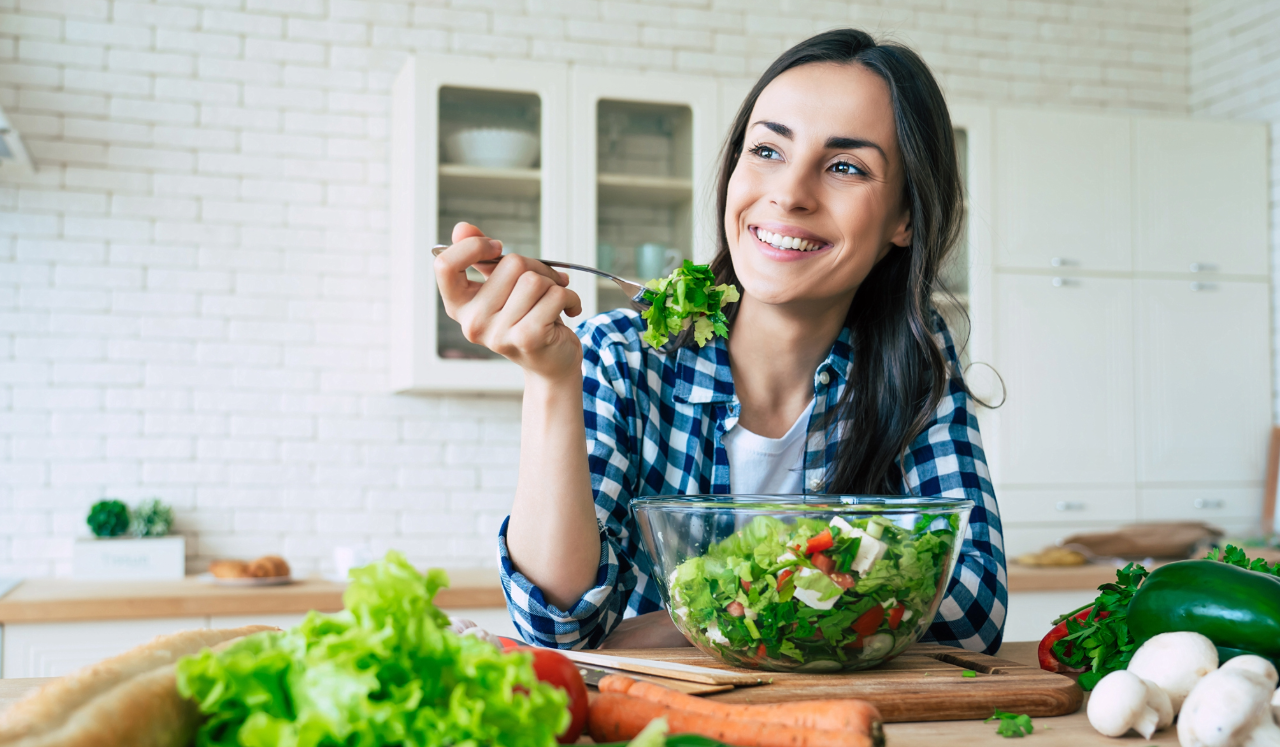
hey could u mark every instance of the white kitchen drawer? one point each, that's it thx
(1031, 613)
(1200, 504)
(1074, 505)
(56, 649)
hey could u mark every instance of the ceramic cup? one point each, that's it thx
(654, 260)
(605, 257)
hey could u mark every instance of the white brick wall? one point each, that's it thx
(1235, 72)
(192, 288)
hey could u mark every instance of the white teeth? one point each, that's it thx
(786, 242)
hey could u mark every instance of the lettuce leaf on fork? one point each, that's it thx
(686, 297)
(384, 671)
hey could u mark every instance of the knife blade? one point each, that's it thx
(593, 674)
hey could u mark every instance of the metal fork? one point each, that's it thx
(635, 291)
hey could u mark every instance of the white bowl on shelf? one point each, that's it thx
(492, 147)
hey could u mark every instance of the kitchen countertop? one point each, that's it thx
(67, 600)
(1063, 731)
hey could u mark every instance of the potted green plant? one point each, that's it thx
(130, 543)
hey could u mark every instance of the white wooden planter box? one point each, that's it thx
(130, 558)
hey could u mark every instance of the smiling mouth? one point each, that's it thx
(787, 243)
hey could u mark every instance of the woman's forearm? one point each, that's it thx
(552, 537)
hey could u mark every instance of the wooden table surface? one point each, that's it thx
(1064, 731)
(68, 600)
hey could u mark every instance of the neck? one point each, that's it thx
(774, 352)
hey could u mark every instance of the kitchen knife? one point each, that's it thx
(667, 669)
(593, 674)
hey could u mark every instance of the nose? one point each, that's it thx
(793, 190)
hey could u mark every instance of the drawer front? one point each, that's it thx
(1200, 504)
(1045, 506)
(56, 649)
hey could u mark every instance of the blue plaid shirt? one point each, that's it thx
(654, 427)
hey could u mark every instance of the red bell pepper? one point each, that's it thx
(895, 616)
(782, 577)
(1044, 653)
(822, 542)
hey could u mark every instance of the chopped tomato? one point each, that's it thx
(746, 585)
(736, 609)
(782, 577)
(843, 580)
(823, 563)
(895, 616)
(822, 542)
(762, 651)
(870, 621)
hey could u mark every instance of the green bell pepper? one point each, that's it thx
(1237, 609)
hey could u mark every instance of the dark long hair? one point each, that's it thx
(900, 372)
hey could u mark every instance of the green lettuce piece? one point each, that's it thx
(819, 582)
(687, 296)
(384, 671)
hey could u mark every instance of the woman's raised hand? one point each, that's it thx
(516, 311)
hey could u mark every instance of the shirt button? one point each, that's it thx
(824, 378)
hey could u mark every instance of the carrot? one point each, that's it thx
(614, 717)
(831, 715)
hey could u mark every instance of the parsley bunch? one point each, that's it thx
(1236, 556)
(1102, 646)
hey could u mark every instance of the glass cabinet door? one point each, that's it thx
(489, 176)
(644, 193)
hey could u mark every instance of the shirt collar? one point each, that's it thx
(703, 375)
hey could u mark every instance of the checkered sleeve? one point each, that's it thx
(608, 407)
(947, 460)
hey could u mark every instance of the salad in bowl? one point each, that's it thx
(786, 583)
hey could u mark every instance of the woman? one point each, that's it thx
(839, 196)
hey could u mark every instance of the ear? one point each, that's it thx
(901, 238)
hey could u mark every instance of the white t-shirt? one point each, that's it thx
(767, 465)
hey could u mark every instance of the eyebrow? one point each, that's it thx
(835, 142)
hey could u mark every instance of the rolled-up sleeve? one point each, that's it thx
(946, 460)
(608, 409)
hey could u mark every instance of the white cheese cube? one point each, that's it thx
(870, 550)
(812, 598)
(845, 527)
(713, 632)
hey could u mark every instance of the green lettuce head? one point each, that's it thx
(384, 671)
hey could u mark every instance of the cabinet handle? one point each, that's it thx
(1069, 506)
(1209, 503)
(1059, 262)
(1202, 267)
(1063, 282)
(1198, 286)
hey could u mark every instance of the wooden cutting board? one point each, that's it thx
(926, 683)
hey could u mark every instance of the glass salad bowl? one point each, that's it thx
(807, 583)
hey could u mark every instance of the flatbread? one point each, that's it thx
(60, 702)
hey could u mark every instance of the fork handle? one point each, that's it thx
(435, 251)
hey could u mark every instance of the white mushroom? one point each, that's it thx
(1122, 701)
(1255, 664)
(1229, 708)
(1175, 662)
(1275, 705)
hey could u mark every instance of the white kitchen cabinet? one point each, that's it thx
(432, 97)
(1065, 351)
(1201, 192)
(1204, 373)
(1068, 505)
(1031, 613)
(642, 165)
(1062, 190)
(55, 649)
(1218, 505)
(1022, 538)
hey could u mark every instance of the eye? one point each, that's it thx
(763, 151)
(844, 167)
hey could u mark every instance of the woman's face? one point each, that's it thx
(816, 197)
